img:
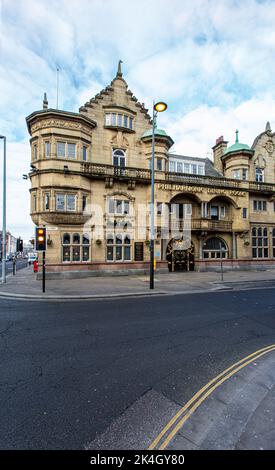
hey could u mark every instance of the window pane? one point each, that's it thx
(110, 253)
(118, 253)
(76, 238)
(66, 239)
(186, 168)
(84, 202)
(125, 121)
(107, 119)
(71, 202)
(113, 119)
(172, 166)
(84, 153)
(71, 150)
(85, 253)
(179, 167)
(119, 119)
(85, 239)
(76, 253)
(111, 206)
(110, 239)
(66, 253)
(126, 207)
(131, 123)
(61, 149)
(47, 149)
(127, 253)
(47, 201)
(159, 164)
(119, 239)
(119, 207)
(60, 202)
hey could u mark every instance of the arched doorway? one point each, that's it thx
(180, 255)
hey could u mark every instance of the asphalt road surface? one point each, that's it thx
(20, 263)
(69, 369)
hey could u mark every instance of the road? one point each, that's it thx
(68, 369)
(20, 263)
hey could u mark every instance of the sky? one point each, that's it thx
(212, 62)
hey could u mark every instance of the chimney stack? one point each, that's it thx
(218, 151)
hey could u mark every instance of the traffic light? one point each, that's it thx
(19, 245)
(40, 239)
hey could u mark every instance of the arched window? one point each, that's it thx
(259, 175)
(119, 158)
(214, 248)
(66, 239)
(118, 247)
(259, 242)
(75, 247)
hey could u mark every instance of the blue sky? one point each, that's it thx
(212, 62)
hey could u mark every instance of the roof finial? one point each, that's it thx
(119, 72)
(45, 101)
(237, 136)
(267, 127)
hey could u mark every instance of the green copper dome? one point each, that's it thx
(160, 132)
(238, 146)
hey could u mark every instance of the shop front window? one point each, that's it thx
(215, 248)
(75, 247)
(118, 247)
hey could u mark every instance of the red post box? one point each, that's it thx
(35, 266)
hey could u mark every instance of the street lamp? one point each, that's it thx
(4, 214)
(158, 107)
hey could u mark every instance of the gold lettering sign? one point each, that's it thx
(199, 189)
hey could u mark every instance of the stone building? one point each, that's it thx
(90, 186)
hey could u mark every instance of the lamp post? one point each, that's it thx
(4, 214)
(157, 108)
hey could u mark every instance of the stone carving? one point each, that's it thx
(45, 123)
(269, 146)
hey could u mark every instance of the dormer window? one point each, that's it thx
(118, 120)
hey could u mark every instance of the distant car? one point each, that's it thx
(31, 258)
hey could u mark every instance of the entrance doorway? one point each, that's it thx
(178, 258)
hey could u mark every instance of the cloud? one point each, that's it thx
(211, 61)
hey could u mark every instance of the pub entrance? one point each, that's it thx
(180, 255)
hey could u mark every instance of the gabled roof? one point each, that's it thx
(109, 89)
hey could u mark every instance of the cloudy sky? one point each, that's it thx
(212, 62)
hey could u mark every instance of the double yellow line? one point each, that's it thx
(173, 426)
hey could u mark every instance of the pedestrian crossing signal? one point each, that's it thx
(40, 239)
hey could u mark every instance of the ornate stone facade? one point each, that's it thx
(90, 186)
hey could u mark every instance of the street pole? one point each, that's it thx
(221, 253)
(152, 227)
(4, 214)
(44, 272)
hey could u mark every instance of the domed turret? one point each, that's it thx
(236, 160)
(237, 147)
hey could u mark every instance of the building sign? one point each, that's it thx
(138, 251)
(199, 189)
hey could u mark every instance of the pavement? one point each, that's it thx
(26, 286)
(238, 415)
